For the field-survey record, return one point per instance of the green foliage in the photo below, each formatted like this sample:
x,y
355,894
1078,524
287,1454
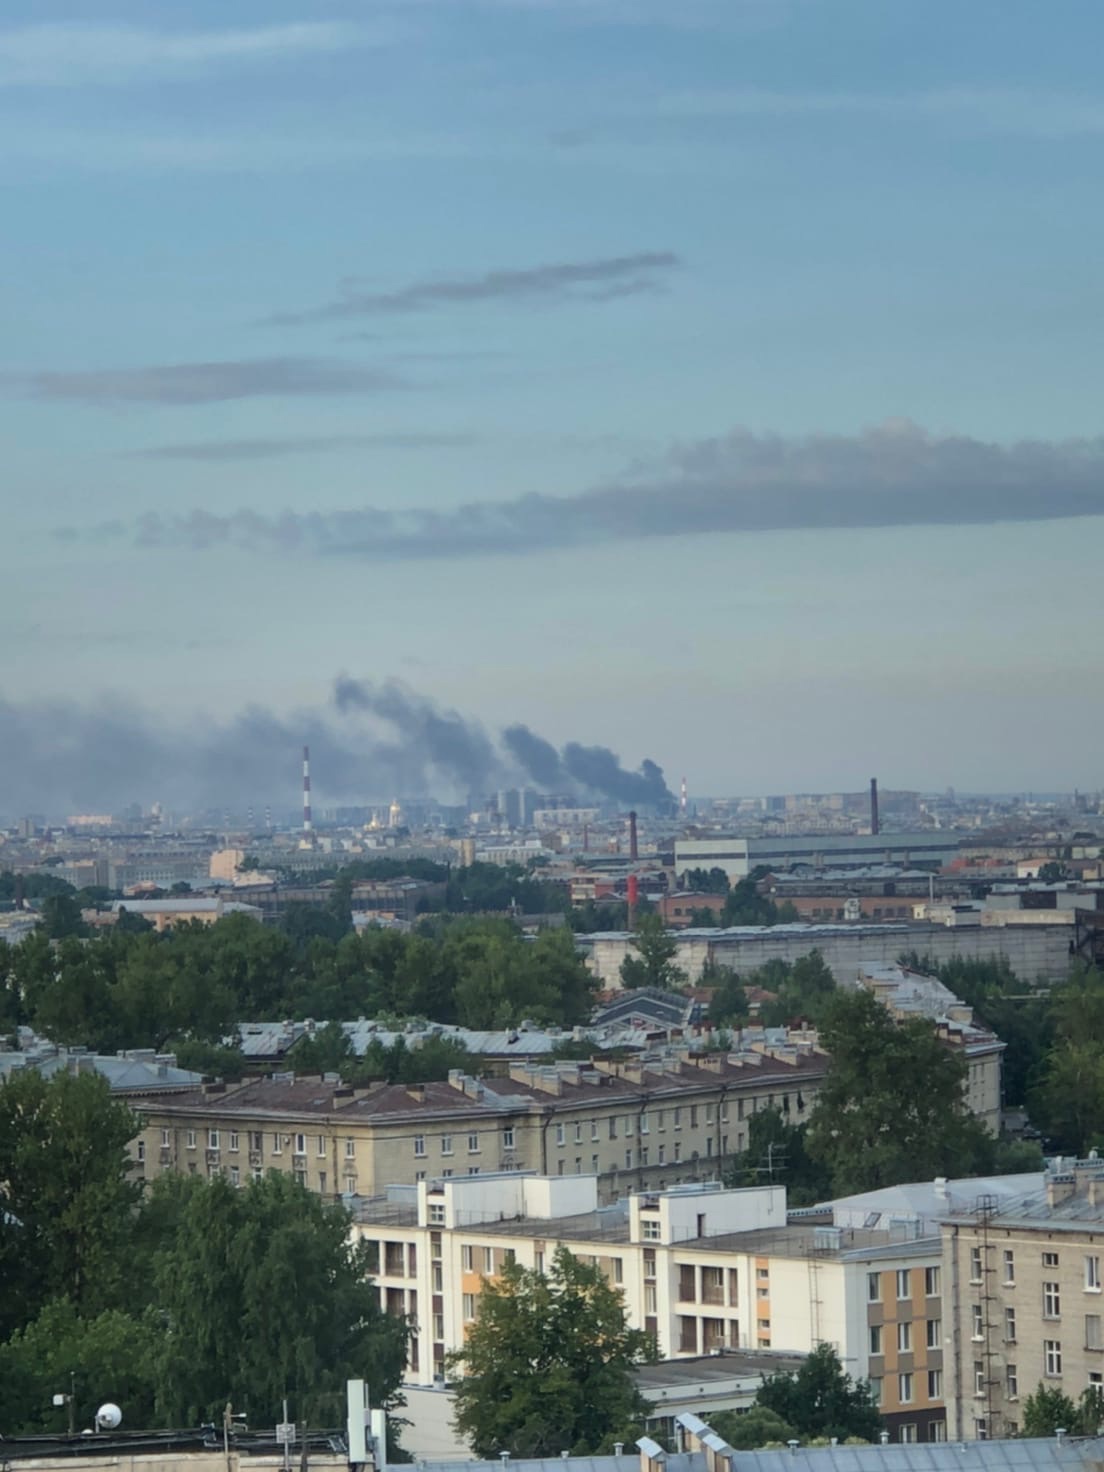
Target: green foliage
x,y
1048,1410
706,881
890,1109
211,1059
36,885
109,1356
778,1154
61,917
1053,872
401,1064
729,1001
611,915
821,1399
264,1296
804,989
497,888
746,906
547,1366
756,1427
654,963
328,1051
65,1200
1067,1096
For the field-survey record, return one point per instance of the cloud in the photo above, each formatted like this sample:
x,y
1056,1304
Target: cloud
x,y
206,383
72,55
893,475
1018,111
267,449
594,280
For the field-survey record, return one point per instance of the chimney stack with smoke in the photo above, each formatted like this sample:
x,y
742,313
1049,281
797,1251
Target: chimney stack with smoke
x,y
308,826
634,852
874,805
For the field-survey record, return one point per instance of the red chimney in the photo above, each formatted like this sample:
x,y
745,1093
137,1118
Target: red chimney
x,y
632,894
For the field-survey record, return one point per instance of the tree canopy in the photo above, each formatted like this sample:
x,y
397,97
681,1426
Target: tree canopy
x,y
547,1366
890,1108
654,962
821,1399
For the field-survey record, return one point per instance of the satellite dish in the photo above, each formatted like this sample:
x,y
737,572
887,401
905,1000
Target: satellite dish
x,y
109,1417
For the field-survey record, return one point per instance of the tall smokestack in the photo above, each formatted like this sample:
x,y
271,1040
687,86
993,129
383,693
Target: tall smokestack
x,y
308,826
682,799
634,853
874,805
632,896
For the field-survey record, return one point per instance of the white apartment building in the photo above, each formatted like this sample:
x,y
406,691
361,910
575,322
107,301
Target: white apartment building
x,y
702,1269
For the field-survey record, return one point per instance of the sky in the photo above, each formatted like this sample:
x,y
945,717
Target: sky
x,y
716,382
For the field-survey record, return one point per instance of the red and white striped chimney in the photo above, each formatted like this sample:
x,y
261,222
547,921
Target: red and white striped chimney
x,y
308,826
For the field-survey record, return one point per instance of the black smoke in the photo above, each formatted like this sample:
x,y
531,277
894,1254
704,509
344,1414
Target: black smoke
x,y
599,769
537,757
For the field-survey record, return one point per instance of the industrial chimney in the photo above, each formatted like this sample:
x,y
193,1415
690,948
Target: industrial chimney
x,y
633,851
682,799
874,805
308,826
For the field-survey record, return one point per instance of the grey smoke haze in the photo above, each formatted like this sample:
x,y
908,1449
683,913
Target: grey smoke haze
x,y
594,280
279,446
371,742
894,475
537,757
206,383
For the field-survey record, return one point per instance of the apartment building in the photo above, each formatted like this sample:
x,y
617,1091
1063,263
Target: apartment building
x,y
635,1125
1025,1303
701,1269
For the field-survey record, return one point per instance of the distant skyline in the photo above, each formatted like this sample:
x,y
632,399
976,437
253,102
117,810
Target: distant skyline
x,y
717,383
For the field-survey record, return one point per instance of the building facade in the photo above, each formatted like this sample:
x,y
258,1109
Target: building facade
x,y
1025,1299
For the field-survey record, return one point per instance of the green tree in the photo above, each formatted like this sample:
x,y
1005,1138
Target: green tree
x,y
328,1051
547,1366
803,989
211,1059
61,916
777,1154
706,881
756,1427
890,1109
729,1001
264,1295
107,1357
746,906
1067,1096
1053,872
654,964
1048,1410
821,1399
66,1202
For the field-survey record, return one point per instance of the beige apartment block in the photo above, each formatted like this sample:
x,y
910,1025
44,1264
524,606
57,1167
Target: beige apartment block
x,y
632,1125
701,1269
1024,1281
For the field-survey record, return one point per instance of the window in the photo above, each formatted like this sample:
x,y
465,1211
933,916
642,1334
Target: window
x,y
578,1132
628,1160
488,1259
467,1261
300,1177
904,1338
1010,1325
875,1391
904,1389
166,1139
873,1287
233,1140
875,1339
1050,1259
662,1155
904,1282
212,1139
141,1156
1092,1275
1052,1356
644,1126
320,1145
446,1144
538,1261
649,1231
935,1333
469,1307
979,1377
190,1139
438,1326
1011,1382
931,1282
618,1270
300,1144
350,1149
277,1144
649,1264
1009,1266
978,1321
975,1264
678,1150
419,1146
593,1129
437,1213
256,1140
473,1143
628,1126
643,1155
235,1176
473,1170
1093,1338
678,1119
508,1137
661,1122
693,1116
594,1164
613,1126
935,1384
1052,1301
561,1134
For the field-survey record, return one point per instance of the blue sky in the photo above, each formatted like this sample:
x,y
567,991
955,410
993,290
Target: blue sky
x,y
715,381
